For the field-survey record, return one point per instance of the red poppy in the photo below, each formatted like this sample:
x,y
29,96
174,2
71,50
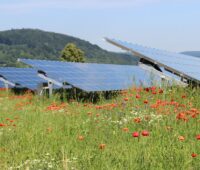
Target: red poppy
x,y
153,88
193,110
135,134
80,138
137,120
184,96
125,99
145,133
1,124
154,92
125,129
194,115
146,102
198,137
98,107
194,155
137,96
102,146
181,115
181,138
3,89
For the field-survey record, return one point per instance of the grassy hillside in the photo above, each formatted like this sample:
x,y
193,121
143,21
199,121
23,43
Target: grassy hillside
x,y
37,44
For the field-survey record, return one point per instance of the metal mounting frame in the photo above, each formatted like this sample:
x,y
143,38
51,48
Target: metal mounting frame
x,y
6,82
162,75
51,82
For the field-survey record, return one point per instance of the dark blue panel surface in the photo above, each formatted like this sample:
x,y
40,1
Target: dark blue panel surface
x,y
184,65
95,77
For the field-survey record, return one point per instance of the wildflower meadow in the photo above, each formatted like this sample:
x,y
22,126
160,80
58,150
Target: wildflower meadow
x,y
140,129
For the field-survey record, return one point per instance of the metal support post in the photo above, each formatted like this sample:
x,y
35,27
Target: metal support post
x,y
50,86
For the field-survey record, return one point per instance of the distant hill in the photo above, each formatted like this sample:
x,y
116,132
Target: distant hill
x,y
192,53
38,44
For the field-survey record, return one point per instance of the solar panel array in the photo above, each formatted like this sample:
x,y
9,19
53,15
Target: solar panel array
x,y
95,77
184,65
23,77
85,76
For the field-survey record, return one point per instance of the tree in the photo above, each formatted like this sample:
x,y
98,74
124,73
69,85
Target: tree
x,y
72,53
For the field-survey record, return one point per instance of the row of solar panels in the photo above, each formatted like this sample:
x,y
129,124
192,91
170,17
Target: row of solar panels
x,y
173,67
185,66
85,76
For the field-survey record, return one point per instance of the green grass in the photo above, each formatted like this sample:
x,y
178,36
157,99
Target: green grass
x,y
44,138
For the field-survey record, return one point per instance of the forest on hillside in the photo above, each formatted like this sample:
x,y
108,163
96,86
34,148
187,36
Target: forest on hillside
x,y
38,44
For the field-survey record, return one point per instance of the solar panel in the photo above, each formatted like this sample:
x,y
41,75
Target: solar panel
x,y
23,77
184,65
1,85
95,77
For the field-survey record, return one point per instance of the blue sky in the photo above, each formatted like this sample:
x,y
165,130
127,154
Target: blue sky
x,y
172,25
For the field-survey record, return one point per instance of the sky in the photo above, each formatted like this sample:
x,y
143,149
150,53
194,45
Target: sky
x,y
173,25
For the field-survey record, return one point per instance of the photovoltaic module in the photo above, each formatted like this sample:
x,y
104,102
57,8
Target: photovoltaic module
x,y
95,77
21,77
183,65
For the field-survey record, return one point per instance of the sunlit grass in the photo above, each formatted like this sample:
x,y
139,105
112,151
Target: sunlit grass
x,y
41,133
